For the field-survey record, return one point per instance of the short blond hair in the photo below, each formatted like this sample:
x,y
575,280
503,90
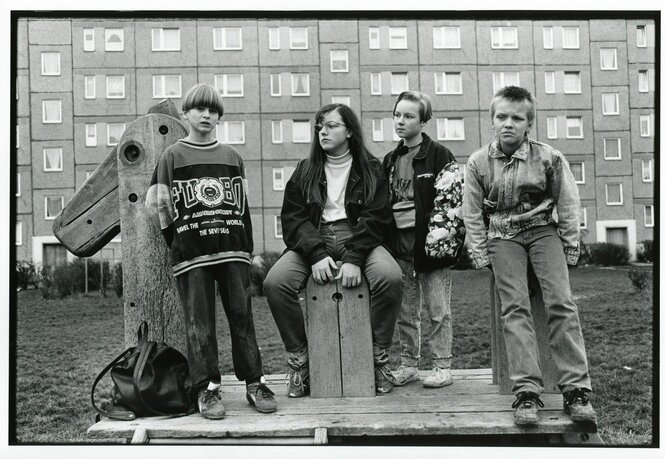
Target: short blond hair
x,y
203,95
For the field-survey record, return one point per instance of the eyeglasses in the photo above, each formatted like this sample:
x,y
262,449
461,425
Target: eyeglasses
x,y
329,126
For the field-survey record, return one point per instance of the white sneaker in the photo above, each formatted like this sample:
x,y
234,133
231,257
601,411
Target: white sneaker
x,y
404,375
440,377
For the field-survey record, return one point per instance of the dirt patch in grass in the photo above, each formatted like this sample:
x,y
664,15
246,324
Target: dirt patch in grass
x,y
63,344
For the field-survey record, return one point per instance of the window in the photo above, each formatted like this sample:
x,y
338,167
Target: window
x,y
165,86
645,125
298,37
552,127
89,87
18,136
339,60
51,111
278,227
231,132
612,149
280,175
300,84
52,206
610,102
276,129
273,38
583,218
227,38
450,129
374,42
571,37
114,39
577,168
550,82
548,37
641,36
614,194
397,37
19,233
375,84
52,159
166,39
377,130
446,37
91,135
647,170
399,82
574,128
572,83
648,216
114,132
504,37
275,85
230,85
608,59
115,87
301,132
344,100
448,83
50,63
643,80
18,184
501,79
88,39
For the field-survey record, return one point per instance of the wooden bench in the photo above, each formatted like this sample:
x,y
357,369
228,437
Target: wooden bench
x,y
339,336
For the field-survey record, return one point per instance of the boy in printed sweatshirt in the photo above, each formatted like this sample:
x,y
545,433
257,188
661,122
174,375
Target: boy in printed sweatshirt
x,y
199,193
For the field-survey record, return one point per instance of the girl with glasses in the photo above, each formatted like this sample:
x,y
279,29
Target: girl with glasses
x,y
335,209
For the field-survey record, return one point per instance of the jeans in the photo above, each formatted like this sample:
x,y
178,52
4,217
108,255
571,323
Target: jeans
x,y
197,294
290,273
431,290
542,247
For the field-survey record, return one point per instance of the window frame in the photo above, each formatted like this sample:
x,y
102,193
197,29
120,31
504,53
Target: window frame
x,y
617,158
107,33
643,77
550,82
647,118
61,160
393,38
375,89
646,224
583,180
607,196
62,206
295,123
44,120
58,70
307,92
583,221
86,79
123,86
641,36
18,238
223,132
392,81
108,133
442,34
221,34
377,134
500,39
445,121
163,77
615,59
374,43
604,108
649,170
223,87
273,39
278,225
291,46
88,45
548,37
161,36
273,139
578,75
345,60
443,89
18,185
278,185
570,118
347,101
278,78
501,76
87,136
563,37
555,121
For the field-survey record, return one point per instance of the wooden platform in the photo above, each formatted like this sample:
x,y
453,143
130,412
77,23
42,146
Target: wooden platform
x,y
471,406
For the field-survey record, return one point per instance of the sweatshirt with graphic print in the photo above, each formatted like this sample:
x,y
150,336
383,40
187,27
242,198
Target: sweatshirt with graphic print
x,y
198,196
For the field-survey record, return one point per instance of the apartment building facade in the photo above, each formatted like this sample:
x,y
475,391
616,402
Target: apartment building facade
x,y
81,81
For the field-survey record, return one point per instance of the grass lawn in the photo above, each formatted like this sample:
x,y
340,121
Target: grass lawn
x,y
61,345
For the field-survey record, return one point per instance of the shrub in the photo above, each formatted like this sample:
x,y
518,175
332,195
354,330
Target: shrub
x,y
117,279
641,278
69,279
608,254
26,275
261,264
645,251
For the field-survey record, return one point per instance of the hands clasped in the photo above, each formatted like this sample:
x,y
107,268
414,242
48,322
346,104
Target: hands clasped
x,y
350,274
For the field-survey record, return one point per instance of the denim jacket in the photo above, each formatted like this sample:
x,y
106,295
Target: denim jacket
x,y
505,196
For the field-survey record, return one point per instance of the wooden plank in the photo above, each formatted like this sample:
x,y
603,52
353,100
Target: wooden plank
x,y
140,436
320,436
323,340
150,293
355,336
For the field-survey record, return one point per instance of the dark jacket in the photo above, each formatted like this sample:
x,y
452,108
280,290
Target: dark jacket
x,y
427,164
369,220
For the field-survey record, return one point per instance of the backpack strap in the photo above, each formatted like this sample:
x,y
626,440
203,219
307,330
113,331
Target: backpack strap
x,y
120,415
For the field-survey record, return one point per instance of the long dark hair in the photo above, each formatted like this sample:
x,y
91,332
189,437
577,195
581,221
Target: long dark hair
x,y
313,168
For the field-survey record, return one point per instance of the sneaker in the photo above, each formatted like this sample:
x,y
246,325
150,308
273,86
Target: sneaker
x,y
576,404
404,375
440,377
382,379
261,398
298,377
526,408
210,404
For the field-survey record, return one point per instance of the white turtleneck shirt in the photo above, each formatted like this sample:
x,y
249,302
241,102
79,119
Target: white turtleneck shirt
x,y
337,169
